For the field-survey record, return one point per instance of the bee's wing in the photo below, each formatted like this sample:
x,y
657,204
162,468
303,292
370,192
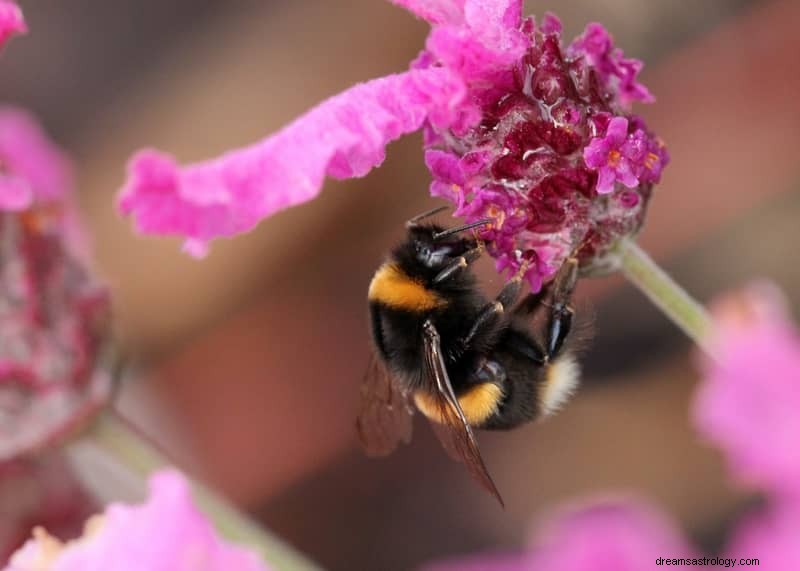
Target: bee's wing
x,y
384,417
454,431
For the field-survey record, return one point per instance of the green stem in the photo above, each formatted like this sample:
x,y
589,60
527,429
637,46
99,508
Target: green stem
x,y
114,461
666,293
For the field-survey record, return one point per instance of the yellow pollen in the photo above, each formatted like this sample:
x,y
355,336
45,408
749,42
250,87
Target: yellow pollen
x,y
650,160
497,215
614,157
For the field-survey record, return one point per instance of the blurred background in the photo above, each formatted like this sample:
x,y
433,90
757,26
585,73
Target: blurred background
x,y
247,364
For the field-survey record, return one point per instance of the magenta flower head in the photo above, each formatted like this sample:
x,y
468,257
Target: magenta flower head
x,y
11,21
535,137
608,535
749,399
166,533
53,315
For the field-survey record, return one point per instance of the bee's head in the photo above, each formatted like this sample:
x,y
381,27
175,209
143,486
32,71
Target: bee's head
x,y
435,246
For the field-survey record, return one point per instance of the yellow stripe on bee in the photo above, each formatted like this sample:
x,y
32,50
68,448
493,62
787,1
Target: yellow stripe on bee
x,y
478,403
391,286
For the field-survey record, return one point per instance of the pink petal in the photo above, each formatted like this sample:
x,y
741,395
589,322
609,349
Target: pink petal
x,y
343,137
617,131
605,180
749,399
444,166
625,175
488,43
551,25
435,11
496,23
31,166
15,193
595,154
167,533
11,21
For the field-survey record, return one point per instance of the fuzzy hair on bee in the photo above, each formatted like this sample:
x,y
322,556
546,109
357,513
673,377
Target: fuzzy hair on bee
x,y
463,361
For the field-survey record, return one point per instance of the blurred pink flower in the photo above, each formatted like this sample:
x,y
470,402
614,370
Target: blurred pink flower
x,y
749,401
506,115
11,21
32,168
166,533
607,535
53,314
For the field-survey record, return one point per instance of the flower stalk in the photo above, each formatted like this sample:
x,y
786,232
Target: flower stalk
x,y
111,444
666,294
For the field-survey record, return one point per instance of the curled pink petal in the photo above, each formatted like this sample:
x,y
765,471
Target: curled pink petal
x,y
167,533
749,399
343,137
11,21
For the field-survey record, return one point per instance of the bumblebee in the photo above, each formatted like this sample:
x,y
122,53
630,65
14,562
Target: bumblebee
x,y
464,362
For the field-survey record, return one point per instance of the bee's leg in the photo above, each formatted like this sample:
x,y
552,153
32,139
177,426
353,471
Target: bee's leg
x,y
532,302
459,263
493,315
559,322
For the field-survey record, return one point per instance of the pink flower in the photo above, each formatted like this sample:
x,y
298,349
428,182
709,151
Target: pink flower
x,y
32,168
749,400
506,113
166,533
53,323
11,21
630,158
616,73
606,536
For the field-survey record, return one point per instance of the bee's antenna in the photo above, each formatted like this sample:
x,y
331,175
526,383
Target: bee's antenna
x,y
413,222
457,229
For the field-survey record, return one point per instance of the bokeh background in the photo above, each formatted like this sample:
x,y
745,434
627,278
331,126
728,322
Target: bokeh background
x,y
247,364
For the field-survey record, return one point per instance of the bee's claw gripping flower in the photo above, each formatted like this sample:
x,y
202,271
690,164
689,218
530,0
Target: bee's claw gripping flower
x,y
535,137
53,316
167,533
11,21
749,400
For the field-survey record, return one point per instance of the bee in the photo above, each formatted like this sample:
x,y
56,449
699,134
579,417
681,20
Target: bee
x,y
463,361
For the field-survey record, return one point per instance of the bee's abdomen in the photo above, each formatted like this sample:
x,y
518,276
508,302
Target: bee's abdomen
x,y
393,288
